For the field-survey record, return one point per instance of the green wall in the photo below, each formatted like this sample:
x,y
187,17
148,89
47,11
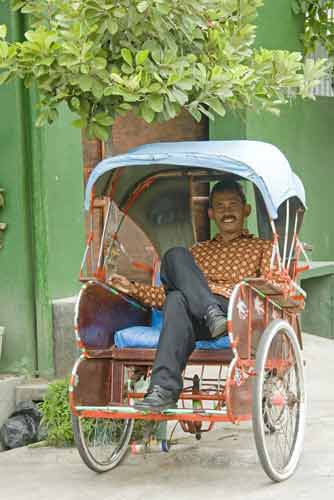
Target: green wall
x,y
304,133
41,171
278,27
17,311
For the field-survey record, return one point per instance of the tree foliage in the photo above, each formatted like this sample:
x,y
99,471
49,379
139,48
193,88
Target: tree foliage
x,y
319,24
107,57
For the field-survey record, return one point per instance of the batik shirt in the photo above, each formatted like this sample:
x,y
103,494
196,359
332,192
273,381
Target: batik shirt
x,y
224,264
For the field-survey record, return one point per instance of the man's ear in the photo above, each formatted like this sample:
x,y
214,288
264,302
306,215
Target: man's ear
x,y
247,210
210,214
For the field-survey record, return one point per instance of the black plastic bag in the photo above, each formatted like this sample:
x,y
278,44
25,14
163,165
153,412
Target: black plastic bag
x,y
22,426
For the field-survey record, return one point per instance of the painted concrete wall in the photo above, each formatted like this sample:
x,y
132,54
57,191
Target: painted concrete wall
x,y
304,133
17,311
41,171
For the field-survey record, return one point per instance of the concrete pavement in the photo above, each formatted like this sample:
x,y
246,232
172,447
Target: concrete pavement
x,y
223,464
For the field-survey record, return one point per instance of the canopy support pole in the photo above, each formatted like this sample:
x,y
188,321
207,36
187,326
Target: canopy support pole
x,y
286,235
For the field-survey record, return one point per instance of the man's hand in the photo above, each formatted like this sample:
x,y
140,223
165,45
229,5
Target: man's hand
x,y
121,283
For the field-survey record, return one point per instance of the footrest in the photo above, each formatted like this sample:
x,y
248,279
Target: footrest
x,y
130,409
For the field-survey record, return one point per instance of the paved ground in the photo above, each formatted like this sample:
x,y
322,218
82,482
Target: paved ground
x,y
224,464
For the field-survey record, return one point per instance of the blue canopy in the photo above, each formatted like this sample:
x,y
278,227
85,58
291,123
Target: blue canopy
x,y
261,163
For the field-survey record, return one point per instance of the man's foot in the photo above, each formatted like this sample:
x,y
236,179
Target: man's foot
x,y
215,320
156,400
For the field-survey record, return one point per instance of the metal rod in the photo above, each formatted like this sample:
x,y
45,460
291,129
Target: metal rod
x,y
91,240
293,242
276,246
84,257
103,235
114,238
286,236
301,246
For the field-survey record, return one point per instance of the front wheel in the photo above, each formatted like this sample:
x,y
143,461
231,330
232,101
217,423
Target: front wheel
x,y
279,401
101,442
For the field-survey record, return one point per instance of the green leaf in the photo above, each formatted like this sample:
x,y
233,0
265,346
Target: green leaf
x,y
42,119
195,113
128,70
186,84
3,50
85,82
117,78
155,87
216,105
127,56
104,119
296,7
100,63
17,5
164,8
173,78
112,26
156,103
170,109
206,112
119,12
141,57
142,6
125,106
75,103
3,31
80,123
100,132
97,89
181,97
147,113
4,77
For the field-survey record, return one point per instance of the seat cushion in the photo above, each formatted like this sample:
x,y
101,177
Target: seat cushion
x,y
147,337
156,319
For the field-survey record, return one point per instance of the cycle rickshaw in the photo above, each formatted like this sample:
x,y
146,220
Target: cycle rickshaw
x,y
258,367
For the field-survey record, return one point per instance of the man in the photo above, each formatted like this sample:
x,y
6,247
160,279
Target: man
x,y
196,287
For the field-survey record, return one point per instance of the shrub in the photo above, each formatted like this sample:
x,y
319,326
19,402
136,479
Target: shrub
x,y
104,58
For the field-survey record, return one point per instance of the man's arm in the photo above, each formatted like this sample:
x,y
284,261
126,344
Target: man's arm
x,y
149,295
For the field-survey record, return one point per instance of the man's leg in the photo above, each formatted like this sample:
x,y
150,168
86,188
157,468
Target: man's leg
x,y
176,343
188,299
180,272
202,331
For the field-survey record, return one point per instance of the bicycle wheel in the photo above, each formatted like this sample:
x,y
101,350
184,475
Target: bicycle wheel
x,y
102,443
279,401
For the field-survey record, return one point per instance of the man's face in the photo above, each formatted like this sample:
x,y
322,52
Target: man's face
x,y
229,212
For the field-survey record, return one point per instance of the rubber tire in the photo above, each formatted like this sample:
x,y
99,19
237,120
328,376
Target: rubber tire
x,y
258,421
89,459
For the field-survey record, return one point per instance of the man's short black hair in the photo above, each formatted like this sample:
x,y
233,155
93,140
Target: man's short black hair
x,y
228,185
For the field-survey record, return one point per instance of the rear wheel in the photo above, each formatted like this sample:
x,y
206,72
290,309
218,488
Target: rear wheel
x,y
102,443
279,401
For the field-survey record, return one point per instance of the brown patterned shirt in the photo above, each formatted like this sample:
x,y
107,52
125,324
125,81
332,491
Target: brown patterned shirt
x,y
223,264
